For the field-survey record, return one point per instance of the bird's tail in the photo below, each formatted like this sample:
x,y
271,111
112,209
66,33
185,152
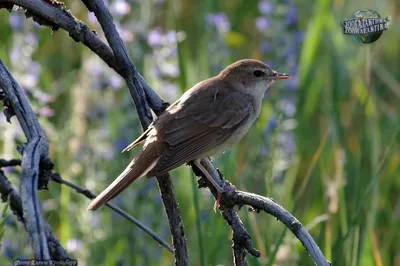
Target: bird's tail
x,y
143,162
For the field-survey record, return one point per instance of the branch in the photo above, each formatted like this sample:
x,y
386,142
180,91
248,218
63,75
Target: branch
x,y
240,237
84,191
82,33
9,163
8,193
87,193
35,153
236,197
133,80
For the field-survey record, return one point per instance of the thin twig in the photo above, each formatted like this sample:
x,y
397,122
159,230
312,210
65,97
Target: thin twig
x,y
9,163
57,178
34,153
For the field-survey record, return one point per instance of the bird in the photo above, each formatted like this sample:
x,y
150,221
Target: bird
x,y
206,120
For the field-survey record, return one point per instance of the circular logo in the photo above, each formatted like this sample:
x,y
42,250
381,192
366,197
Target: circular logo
x,y
369,37
366,26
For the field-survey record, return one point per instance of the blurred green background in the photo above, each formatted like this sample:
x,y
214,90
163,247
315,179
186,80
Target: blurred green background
x,y
326,145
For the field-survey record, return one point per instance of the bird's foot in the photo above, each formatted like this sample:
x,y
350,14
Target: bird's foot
x,y
220,192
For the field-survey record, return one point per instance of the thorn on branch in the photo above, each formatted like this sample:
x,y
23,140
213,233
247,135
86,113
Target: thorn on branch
x,y
57,4
41,21
45,167
252,209
9,113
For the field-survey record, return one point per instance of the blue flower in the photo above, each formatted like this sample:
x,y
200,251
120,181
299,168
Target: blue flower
x,y
266,7
220,21
291,16
7,250
16,21
272,124
262,23
298,36
288,107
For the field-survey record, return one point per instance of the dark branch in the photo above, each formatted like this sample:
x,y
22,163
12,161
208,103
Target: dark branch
x,y
34,153
133,80
7,192
236,197
82,33
8,163
241,238
58,179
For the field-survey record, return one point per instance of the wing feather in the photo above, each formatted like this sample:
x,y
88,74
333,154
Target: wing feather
x,y
194,130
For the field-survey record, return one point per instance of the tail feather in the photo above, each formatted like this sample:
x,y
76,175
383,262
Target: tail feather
x,y
143,162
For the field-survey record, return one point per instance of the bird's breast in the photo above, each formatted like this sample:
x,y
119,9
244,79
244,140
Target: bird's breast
x,y
238,134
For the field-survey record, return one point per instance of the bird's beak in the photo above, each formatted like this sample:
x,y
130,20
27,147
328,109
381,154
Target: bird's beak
x,y
277,75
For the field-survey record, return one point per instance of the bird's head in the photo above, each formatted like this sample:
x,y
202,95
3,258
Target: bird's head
x,y
251,76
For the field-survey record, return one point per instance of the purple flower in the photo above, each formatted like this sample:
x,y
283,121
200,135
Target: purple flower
x,y
16,21
92,18
41,96
155,37
125,34
291,16
116,82
288,107
266,7
262,23
120,7
31,39
74,244
33,73
46,111
220,21
170,37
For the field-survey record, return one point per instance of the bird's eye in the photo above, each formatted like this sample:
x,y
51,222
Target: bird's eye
x,y
258,73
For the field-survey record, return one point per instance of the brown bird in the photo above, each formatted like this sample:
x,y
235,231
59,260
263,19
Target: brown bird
x,y
208,119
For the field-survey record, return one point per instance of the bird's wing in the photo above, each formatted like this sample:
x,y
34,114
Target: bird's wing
x,y
191,130
145,134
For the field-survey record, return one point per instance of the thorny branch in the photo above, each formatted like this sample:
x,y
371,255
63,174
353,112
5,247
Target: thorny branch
x,y
144,96
34,160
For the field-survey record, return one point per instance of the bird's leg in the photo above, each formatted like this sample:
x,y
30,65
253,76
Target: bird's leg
x,y
208,176
220,190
